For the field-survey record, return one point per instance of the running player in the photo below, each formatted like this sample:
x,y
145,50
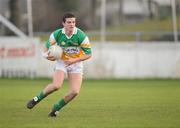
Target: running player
x,y
76,48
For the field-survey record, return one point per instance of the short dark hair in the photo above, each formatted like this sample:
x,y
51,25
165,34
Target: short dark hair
x,y
67,15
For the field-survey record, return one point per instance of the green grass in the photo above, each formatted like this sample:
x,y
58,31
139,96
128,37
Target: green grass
x,y
101,104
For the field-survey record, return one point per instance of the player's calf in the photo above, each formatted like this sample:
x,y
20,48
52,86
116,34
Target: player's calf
x,y
56,108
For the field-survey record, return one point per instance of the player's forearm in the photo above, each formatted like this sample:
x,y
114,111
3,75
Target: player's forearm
x,y
75,60
84,57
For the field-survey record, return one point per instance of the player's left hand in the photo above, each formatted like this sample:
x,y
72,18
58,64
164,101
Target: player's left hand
x,y
71,61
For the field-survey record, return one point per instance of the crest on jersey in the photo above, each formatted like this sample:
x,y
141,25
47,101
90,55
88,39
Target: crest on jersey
x,y
63,43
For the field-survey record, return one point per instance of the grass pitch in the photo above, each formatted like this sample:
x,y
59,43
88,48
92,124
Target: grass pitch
x,y
101,104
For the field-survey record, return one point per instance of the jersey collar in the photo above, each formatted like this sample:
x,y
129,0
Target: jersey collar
x,y
74,32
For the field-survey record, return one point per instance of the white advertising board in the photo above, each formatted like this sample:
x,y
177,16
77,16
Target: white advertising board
x,y
18,57
22,58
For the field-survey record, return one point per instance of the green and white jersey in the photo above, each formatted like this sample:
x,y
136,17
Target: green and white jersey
x,y
75,46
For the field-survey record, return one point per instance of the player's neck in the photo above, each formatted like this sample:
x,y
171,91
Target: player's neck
x,y
69,33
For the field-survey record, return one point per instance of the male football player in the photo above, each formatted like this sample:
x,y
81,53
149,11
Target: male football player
x,y
76,49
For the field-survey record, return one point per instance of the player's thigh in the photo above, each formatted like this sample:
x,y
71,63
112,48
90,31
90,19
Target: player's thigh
x,y
75,80
58,78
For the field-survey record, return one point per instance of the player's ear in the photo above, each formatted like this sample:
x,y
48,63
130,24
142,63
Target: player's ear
x,y
63,23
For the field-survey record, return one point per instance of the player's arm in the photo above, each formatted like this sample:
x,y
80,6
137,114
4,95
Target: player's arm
x,y
49,43
75,60
86,47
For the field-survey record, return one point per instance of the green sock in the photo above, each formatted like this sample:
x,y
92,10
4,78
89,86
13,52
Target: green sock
x,y
59,105
41,96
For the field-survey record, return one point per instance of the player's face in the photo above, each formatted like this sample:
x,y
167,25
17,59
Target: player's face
x,y
69,24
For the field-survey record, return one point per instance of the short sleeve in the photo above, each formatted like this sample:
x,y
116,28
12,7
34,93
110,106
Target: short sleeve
x,y
52,39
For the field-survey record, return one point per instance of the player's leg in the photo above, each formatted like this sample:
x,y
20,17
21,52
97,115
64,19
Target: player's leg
x,y
58,78
75,80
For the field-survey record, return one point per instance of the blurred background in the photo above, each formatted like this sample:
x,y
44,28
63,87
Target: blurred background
x,y
132,79
130,38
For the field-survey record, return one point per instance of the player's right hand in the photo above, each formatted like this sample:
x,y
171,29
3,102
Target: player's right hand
x,y
51,58
47,56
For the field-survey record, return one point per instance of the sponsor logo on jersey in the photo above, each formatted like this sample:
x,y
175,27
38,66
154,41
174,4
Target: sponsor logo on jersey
x,y
75,43
72,50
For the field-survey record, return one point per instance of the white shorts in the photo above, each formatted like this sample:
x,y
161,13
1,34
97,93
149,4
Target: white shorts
x,y
74,68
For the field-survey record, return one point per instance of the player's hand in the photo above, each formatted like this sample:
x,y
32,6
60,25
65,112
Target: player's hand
x,y
51,58
70,61
47,56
